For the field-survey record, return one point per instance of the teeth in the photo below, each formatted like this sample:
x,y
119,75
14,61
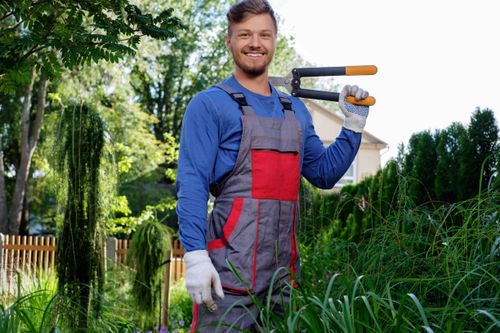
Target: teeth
x,y
254,54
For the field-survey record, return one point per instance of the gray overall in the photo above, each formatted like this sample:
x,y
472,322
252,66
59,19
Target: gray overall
x,y
254,220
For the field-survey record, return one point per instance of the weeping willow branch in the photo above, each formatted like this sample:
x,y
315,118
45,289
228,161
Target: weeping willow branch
x,y
81,140
148,253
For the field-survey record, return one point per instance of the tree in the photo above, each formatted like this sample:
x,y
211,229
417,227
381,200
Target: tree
x,y
496,180
40,40
449,149
477,158
3,197
420,166
388,187
79,159
165,76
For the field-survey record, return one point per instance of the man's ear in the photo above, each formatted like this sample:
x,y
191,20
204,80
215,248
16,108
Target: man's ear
x,y
228,41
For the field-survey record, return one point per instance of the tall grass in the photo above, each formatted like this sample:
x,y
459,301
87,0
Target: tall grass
x,y
445,258
30,307
33,305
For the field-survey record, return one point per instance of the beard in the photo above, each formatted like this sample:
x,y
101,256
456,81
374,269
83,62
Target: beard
x,y
252,69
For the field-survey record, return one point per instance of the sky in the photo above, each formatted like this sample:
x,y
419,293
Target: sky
x,y
437,60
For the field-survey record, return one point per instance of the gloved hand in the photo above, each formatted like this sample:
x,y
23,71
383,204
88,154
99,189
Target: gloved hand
x,y
200,277
355,115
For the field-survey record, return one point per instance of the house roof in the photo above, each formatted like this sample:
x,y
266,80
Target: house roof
x,y
368,139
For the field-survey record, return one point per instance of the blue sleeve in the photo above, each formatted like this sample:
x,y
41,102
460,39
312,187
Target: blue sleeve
x,y
323,167
198,150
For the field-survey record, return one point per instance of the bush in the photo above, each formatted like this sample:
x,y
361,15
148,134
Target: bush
x,y
180,312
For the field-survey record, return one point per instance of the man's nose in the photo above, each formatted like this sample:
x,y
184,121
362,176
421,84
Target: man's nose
x,y
255,41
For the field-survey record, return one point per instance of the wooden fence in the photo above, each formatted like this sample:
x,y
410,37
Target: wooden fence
x,y
31,255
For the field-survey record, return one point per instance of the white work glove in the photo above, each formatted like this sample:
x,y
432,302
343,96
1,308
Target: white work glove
x,y
200,277
355,115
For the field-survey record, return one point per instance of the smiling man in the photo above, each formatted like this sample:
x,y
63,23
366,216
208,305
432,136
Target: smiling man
x,y
248,144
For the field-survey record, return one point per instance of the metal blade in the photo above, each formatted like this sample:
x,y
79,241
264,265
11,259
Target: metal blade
x,y
281,81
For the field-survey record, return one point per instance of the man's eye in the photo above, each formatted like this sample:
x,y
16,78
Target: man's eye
x,y
266,35
243,35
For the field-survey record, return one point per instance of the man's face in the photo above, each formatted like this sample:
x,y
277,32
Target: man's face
x,y
252,43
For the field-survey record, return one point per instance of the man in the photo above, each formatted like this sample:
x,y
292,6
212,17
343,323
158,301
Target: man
x,y
249,144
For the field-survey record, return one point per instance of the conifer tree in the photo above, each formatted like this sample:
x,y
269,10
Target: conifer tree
x,y
420,166
477,158
449,148
388,187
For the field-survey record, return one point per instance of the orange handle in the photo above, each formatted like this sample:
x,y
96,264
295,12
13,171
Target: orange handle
x,y
361,70
369,101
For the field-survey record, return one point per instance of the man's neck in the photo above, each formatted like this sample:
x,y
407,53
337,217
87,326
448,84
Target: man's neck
x,y
257,84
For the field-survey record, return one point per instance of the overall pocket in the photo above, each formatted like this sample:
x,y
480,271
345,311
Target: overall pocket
x,y
275,174
237,246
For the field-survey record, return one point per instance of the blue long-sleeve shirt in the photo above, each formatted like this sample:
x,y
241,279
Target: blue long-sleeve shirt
x,y
210,139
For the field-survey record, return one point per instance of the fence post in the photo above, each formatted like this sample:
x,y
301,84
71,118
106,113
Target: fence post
x,y
166,291
111,249
1,258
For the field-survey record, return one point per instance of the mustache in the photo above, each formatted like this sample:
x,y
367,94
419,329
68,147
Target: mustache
x,y
254,49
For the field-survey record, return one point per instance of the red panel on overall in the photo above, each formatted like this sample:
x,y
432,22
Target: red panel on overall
x,y
275,175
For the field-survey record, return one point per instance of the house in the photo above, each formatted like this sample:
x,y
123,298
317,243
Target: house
x,y
328,125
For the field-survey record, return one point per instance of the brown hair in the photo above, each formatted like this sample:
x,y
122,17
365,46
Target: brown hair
x,y
239,11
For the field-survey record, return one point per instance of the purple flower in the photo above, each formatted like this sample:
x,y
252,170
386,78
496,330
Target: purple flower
x,y
181,322
163,329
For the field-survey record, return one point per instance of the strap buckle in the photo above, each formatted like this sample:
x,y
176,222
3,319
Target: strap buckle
x,y
240,98
287,103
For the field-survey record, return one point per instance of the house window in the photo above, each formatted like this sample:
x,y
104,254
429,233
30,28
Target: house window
x,y
349,176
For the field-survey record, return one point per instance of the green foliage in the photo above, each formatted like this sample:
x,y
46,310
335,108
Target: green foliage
x,y
131,155
420,166
131,146
436,169
172,155
55,35
317,211
148,253
481,144
167,75
418,270
32,307
180,313
35,306
451,143
123,225
388,187
79,155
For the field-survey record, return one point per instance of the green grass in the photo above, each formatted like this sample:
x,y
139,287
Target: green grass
x,y
30,307
443,275
34,306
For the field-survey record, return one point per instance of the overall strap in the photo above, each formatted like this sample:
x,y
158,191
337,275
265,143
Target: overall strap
x,y
287,104
239,97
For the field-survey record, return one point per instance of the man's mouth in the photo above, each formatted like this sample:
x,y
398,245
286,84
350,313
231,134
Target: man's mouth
x,y
254,54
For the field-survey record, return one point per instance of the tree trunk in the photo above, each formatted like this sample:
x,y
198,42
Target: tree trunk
x,y
3,195
29,140
25,214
